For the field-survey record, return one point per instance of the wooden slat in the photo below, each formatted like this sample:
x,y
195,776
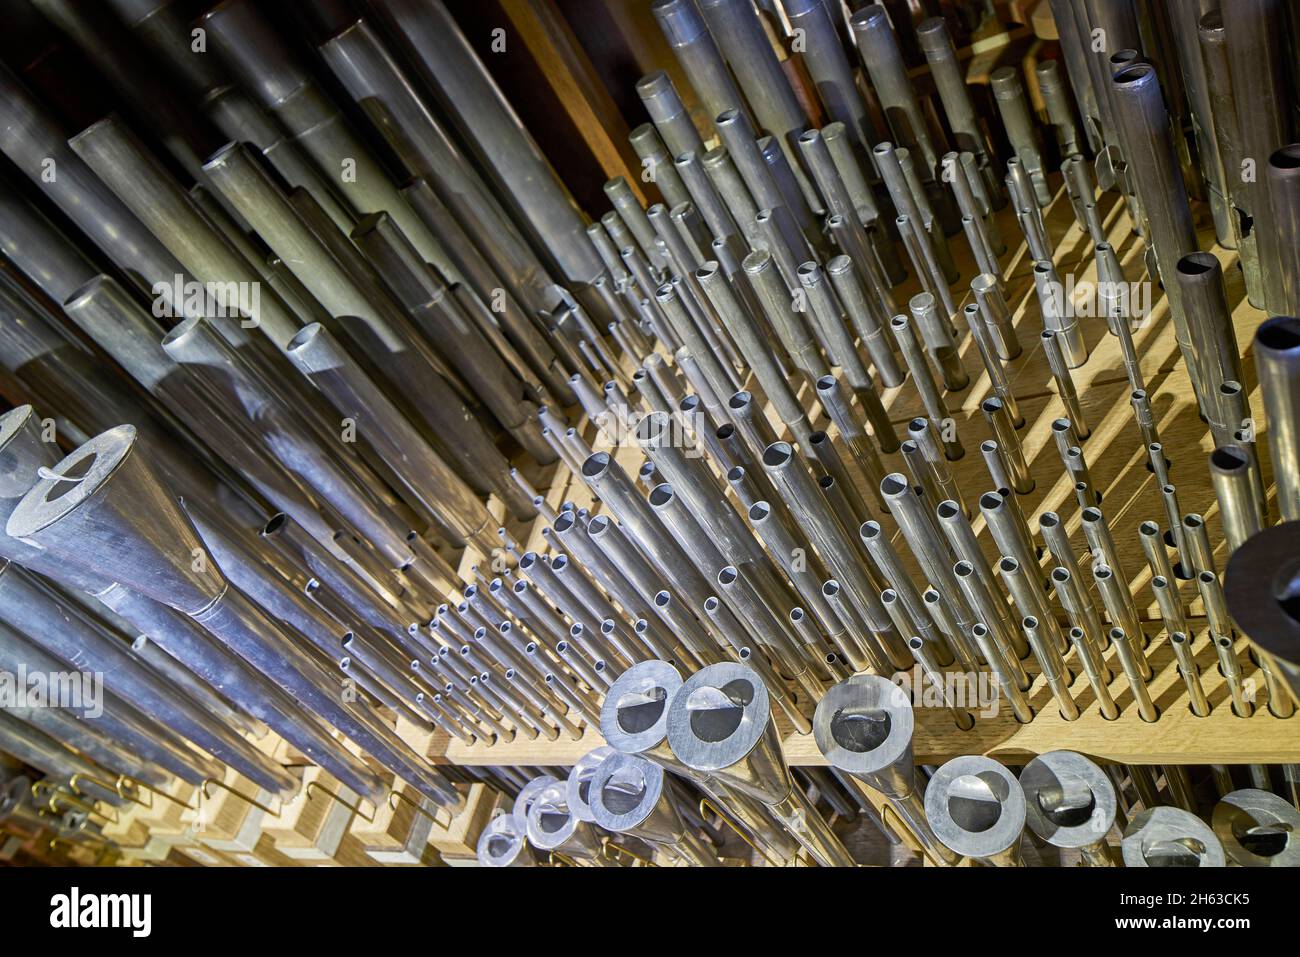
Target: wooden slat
x,y
578,88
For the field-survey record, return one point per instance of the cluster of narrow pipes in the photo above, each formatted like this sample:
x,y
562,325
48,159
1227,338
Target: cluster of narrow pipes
x,y
274,519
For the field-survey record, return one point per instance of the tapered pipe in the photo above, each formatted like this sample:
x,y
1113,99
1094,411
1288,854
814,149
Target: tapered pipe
x,y
975,778
38,614
749,757
161,562
431,482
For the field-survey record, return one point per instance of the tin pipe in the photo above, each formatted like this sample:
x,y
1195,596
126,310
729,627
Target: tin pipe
x,y
433,484
204,595
456,76
939,341
910,346
196,344
739,32
1239,508
1009,93
36,613
1007,526
1004,432
32,139
795,222
1055,93
878,48
868,320
950,83
1057,540
1283,180
827,534
1138,671
1145,128
697,52
996,315
1277,358
1258,59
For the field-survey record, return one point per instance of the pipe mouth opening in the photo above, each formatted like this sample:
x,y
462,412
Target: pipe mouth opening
x,y
740,400
639,711
963,569
623,791
778,453
948,509
1174,852
596,465
661,495
728,575
1281,334
991,501
894,484
1262,839
1068,804
861,730
1286,589
1060,574
1197,264
759,510
1133,72
975,801
716,712
1288,157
